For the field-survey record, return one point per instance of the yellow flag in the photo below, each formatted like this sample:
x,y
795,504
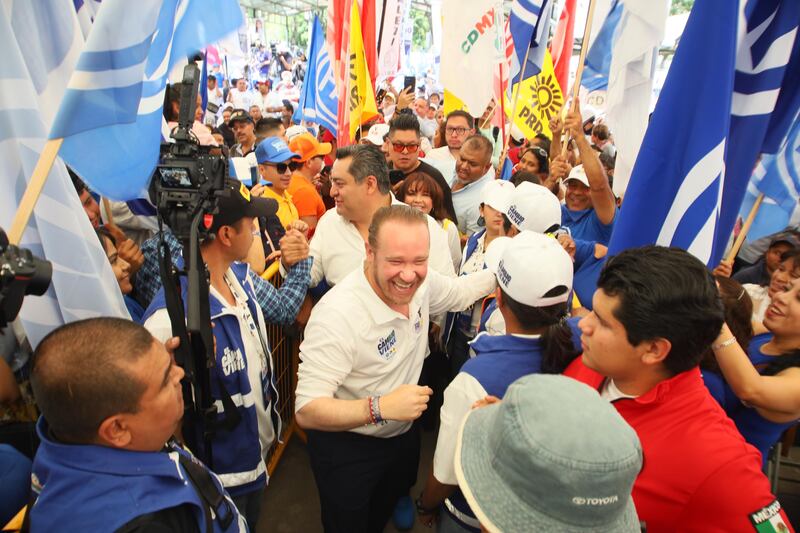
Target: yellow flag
x,y
540,99
360,94
452,103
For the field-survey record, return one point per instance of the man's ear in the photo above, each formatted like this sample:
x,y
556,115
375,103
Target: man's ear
x,y
114,431
370,252
224,235
655,351
372,184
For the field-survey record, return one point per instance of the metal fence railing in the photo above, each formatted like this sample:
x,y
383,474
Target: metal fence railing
x,y
284,343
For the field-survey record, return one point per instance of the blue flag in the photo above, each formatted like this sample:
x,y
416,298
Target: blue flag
x,y
507,170
110,117
41,41
529,25
204,84
598,59
319,101
690,177
778,178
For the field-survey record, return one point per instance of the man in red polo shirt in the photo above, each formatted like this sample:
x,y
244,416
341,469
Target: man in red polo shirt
x,y
656,310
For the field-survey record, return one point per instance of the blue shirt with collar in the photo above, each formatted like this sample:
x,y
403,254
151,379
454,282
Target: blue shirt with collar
x,y
585,225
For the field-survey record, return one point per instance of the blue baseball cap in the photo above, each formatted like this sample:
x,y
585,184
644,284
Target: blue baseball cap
x,y
274,150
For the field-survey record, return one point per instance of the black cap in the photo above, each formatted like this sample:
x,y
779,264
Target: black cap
x,y
239,114
237,203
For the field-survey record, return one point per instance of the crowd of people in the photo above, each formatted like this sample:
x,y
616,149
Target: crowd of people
x,y
571,390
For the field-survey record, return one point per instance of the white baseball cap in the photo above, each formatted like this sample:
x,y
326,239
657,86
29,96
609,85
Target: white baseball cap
x,y
377,133
535,208
530,265
497,194
578,173
294,131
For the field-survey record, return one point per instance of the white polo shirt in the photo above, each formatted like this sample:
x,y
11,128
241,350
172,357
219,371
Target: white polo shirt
x,y
338,248
356,346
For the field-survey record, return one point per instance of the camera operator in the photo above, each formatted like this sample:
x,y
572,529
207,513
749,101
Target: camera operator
x,y
243,359
111,400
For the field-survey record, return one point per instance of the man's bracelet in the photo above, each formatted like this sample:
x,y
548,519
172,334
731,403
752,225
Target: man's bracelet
x,y
723,344
374,403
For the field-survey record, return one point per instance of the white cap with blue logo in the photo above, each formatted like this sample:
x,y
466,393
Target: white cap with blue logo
x,y
529,266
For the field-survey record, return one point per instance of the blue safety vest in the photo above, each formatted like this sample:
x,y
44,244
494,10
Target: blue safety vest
x,y
98,488
236,453
499,361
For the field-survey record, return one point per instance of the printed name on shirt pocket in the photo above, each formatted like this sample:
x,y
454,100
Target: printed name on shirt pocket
x,y
387,346
770,519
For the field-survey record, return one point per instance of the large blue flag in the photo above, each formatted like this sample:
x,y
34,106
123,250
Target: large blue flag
x,y
778,178
598,59
319,101
718,110
41,42
111,114
529,25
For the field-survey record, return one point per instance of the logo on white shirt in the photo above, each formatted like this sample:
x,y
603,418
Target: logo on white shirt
x,y
232,361
386,346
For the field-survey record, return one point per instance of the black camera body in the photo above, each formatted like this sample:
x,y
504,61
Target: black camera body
x,y
21,273
187,179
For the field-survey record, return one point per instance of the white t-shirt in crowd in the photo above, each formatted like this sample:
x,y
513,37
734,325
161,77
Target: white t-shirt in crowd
x,y
356,346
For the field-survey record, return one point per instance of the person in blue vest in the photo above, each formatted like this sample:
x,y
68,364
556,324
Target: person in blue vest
x,y
111,400
244,365
462,327
532,296
589,208
765,378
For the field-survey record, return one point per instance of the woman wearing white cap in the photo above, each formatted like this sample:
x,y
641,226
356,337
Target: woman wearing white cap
x,y
533,298
462,327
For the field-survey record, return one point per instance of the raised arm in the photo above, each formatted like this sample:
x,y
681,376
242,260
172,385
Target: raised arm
x,y
777,398
602,197
457,294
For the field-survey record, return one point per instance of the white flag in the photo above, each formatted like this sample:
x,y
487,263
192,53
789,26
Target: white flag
x,y
471,42
630,80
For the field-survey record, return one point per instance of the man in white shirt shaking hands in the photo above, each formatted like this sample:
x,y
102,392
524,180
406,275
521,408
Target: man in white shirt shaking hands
x,y
361,358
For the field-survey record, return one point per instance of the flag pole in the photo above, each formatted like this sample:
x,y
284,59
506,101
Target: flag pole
x,y
503,109
34,189
576,86
516,93
745,228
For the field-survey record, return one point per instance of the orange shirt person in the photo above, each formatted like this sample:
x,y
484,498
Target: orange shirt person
x,y
310,206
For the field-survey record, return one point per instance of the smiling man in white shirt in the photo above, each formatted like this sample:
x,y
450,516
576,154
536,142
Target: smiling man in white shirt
x,y
357,392
360,186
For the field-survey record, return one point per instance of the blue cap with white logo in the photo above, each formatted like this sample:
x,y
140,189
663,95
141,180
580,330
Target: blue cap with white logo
x,y
274,150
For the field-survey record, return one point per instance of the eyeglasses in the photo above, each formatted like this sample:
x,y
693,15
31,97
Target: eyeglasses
x,y
280,167
457,131
400,147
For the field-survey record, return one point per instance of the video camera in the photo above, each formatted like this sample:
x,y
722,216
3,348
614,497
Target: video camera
x,y
185,188
21,273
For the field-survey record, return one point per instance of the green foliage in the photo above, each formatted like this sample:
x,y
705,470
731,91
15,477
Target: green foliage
x,y
678,7
421,39
297,28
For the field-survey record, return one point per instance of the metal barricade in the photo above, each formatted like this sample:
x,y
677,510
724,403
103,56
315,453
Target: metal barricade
x,y
284,343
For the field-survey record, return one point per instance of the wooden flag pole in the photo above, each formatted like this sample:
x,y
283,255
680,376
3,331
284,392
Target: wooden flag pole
x,y
576,86
109,216
503,113
745,228
34,189
516,94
